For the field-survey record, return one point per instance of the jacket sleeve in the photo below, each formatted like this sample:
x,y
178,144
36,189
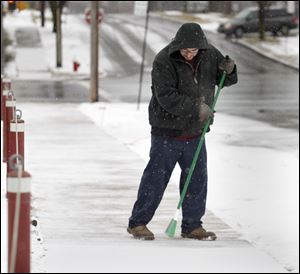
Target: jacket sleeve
x,y
164,86
231,78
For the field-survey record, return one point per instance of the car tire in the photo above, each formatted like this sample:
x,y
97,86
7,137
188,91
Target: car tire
x,y
239,32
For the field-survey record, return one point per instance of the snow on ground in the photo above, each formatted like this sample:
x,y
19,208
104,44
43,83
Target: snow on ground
x,y
155,40
211,21
284,49
254,189
249,187
77,36
154,259
230,188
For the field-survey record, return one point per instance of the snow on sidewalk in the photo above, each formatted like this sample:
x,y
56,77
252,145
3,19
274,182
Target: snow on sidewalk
x,y
84,185
248,161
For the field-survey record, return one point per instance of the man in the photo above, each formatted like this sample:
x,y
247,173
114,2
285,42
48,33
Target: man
x,y
184,77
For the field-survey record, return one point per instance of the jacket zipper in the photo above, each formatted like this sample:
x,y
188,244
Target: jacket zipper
x,y
194,72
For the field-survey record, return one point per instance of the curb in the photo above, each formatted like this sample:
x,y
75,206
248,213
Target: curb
x,y
246,45
72,75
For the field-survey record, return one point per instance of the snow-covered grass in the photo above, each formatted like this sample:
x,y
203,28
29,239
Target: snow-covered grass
x,y
283,49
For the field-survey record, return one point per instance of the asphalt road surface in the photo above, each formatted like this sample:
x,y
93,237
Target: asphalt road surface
x,y
266,91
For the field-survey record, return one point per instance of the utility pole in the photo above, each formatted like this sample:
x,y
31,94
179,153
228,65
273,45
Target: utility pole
x,y
58,37
143,55
94,52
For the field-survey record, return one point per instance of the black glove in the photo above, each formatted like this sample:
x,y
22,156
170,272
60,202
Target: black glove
x,y
227,64
205,113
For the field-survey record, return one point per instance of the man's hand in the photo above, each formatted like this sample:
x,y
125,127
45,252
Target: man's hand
x,y
205,112
227,65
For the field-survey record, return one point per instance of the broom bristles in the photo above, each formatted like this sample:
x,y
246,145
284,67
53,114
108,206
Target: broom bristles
x,y
171,229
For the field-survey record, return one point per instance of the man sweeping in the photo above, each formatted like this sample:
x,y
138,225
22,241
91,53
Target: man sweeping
x,y
184,77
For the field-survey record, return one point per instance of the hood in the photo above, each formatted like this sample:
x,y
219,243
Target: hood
x,y
189,35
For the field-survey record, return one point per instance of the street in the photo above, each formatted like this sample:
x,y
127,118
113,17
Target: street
x,y
261,94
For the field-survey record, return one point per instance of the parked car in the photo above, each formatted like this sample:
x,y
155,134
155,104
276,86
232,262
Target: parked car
x,y
247,21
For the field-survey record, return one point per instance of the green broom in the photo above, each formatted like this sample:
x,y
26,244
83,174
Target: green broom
x,y
170,231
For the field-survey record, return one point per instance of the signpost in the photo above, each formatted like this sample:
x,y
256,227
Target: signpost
x,y
142,8
94,16
88,16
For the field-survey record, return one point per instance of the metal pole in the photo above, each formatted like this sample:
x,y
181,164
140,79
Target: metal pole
x,y
42,7
143,57
58,37
94,52
19,199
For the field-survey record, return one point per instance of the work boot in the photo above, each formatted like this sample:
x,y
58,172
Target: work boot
x,y
141,232
200,234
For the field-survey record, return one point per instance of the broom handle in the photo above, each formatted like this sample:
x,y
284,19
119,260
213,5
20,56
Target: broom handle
x,y
196,155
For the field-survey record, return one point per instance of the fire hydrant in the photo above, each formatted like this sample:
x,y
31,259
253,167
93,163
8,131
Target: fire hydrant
x,y
76,65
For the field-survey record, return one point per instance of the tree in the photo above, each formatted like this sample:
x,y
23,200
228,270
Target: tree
x,y
42,9
12,5
54,5
262,6
227,7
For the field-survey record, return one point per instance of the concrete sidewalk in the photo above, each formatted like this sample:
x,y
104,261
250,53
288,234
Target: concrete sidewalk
x,y
84,185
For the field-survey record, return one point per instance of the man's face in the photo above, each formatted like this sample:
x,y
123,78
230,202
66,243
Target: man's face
x,y
189,53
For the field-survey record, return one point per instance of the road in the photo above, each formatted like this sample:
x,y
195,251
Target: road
x,y
267,91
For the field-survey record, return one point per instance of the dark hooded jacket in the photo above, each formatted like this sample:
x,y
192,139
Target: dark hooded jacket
x,y
177,90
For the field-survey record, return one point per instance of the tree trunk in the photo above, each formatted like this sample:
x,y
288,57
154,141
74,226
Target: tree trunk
x,y
94,52
261,17
227,7
53,6
42,7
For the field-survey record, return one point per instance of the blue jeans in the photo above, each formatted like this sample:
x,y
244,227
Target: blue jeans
x,y
165,152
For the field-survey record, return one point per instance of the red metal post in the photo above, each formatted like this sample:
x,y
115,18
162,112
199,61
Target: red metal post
x,y
16,140
18,195
10,111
